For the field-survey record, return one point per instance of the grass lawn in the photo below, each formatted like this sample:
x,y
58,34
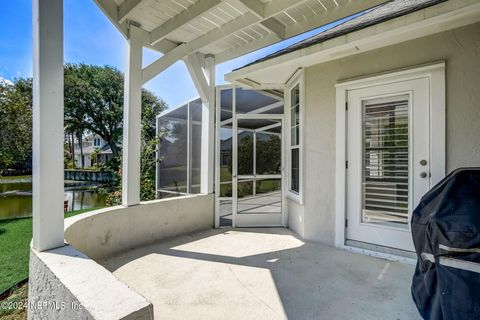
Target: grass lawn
x,y
15,177
245,189
15,237
17,302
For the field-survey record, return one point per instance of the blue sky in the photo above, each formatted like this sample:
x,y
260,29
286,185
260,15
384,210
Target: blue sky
x,y
91,38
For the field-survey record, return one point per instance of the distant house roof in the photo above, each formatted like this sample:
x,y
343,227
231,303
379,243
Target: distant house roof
x,y
383,12
87,150
106,149
91,149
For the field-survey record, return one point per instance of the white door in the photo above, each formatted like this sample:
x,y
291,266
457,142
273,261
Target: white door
x,y
388,168
258,171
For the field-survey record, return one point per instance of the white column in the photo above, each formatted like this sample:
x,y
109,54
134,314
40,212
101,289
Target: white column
x,y
132,111
47,186
208,128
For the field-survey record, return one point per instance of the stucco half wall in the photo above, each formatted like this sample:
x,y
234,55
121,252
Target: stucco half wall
x,y
459,48
67,283
103,233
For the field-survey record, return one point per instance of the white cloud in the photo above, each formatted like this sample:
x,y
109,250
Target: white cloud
x,y
3,80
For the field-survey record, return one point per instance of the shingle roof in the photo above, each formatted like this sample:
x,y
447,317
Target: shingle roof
x,y
375,15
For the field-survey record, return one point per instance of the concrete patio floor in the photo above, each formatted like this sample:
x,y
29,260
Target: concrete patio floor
x,y
263,274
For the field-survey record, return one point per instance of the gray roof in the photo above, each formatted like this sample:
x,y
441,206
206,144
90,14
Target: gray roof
x,y
91,149
383,12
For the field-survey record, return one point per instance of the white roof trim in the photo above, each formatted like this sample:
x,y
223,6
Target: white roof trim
x,y
441,17
388,77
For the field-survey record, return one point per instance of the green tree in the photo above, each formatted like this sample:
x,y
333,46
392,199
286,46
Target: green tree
x,y
151,107
245,153
94,101
269,153
15,124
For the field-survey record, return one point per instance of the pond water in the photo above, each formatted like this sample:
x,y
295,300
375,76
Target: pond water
x,y
16,197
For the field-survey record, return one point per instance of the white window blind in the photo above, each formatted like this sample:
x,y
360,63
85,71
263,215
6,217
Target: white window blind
x,y
386,161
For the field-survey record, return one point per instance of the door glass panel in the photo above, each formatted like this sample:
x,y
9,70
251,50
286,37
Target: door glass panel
x,y
259,164
245,152
245,188
226,213
268,152
386,161
267,198
265,185
225,161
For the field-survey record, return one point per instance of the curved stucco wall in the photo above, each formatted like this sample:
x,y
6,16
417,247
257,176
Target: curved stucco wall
x,y
459,48
67,283
103,233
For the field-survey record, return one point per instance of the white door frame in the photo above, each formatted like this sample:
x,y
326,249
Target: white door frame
x,y
436,75
262,220
233,121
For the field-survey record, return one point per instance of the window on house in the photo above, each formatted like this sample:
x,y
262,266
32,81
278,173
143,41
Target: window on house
x,y
96,142
295,139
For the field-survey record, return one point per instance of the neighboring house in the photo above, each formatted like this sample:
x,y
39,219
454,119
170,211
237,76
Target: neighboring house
x,y
371,113
95,151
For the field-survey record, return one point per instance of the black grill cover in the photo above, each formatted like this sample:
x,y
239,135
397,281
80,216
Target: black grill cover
x,y
446,226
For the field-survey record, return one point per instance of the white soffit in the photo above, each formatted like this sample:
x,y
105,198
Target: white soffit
x,y
441,17
224,28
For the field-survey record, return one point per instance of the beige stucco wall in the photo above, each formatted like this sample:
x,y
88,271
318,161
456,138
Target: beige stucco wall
x,y
82,288
460,48
66,284
296,217
106,232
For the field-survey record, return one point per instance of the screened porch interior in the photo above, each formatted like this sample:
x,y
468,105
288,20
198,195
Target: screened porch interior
x,y
249,179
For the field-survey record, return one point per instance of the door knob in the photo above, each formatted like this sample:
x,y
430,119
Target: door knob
x,y
423,162
423,175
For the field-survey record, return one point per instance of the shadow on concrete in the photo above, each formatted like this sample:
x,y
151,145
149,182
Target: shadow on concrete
x,y
312,281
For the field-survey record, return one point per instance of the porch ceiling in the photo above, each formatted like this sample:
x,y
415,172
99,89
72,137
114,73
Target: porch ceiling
x,y
224,28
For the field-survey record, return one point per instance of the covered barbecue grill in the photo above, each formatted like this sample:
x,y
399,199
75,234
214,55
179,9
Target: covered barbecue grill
x,y
446,234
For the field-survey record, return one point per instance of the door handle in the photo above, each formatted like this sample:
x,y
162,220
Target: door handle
x,y
423,175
